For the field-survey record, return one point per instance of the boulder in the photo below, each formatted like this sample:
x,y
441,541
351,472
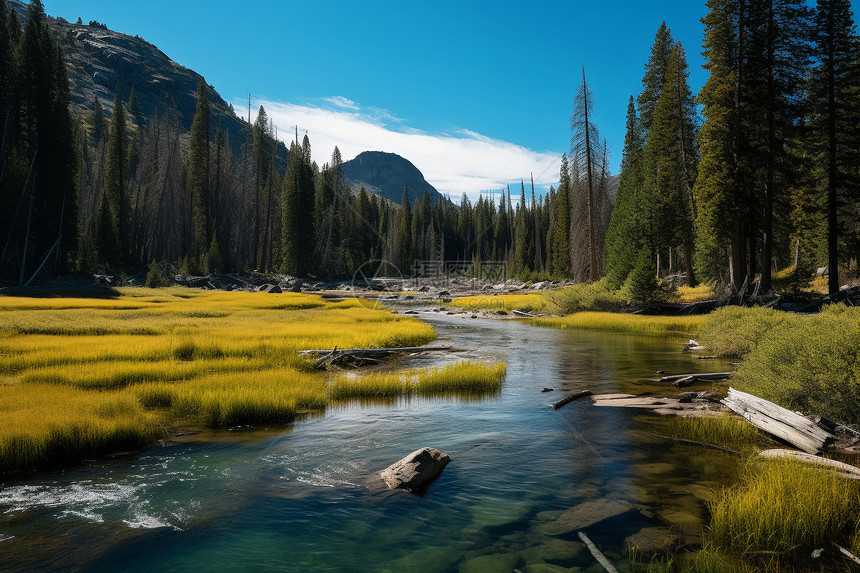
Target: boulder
x,y
417,470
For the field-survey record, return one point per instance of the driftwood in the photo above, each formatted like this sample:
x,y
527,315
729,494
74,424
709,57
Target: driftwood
x,y
357,357
710,376
570,398
845,469
684,406
598,556
524,314
847,554
776,420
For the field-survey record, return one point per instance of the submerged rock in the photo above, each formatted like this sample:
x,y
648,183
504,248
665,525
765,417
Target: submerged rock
x,y
417,470
586,514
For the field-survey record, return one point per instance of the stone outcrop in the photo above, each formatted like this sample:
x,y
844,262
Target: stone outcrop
x,y
416,471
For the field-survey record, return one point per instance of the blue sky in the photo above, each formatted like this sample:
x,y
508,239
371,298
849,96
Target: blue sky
x,y
476,94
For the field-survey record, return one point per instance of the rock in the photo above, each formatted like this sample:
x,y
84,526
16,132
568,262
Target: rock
x,y
684,382
444,293
552,550
490,563
651,539
274,289
417,470
586,514
547,390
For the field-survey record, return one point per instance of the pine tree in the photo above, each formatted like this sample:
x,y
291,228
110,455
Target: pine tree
x,y
718,209
560,228
626,234
671,157
403,230
115,190
290,213
134,106
835,117
198,178
652,81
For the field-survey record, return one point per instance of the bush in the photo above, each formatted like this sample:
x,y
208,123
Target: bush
x,y
641,283
809,363
157,278
584,296
733,330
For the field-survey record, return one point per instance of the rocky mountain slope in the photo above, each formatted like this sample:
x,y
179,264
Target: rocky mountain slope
x,y
385,174
98,59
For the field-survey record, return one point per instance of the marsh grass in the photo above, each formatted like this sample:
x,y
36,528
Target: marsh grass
x,y
662,326
787,507
46,425
464,377
727,431
583,297
699,293
505,302
85,377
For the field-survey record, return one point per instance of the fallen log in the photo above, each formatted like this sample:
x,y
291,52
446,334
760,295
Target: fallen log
x,y
847,554
598,556
845,469
703,376
380,352
524,314
776,420
570,398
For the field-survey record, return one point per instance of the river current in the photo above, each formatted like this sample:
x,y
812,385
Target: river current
x,y
307,498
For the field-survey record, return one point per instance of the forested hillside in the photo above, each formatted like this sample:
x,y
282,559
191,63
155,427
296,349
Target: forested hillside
x,y
757,173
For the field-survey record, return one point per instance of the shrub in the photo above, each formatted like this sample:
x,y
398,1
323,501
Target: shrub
x,y
157,278
641,283
584,296
733,331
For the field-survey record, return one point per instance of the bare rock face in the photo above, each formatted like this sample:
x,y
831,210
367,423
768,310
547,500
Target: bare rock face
x,y
417,470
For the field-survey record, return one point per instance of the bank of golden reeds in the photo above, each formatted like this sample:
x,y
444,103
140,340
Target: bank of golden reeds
x,y
82,377
663,326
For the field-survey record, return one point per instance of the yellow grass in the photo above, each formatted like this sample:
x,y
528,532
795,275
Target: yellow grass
x,y
665,326
698,293
92,373
506,302
462,377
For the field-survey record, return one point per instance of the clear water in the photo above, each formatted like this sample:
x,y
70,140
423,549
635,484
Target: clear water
x,y
306,498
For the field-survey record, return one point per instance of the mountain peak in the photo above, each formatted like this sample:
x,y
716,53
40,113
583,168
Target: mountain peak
x,y
386,174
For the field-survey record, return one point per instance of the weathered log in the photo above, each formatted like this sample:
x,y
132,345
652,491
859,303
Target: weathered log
x,y
684,382
776,420
598,556
524,314
703,376
570,398
380,352
701,408
847,554
846,469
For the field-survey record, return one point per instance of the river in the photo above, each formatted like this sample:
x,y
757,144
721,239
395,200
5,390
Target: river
x,y
306,498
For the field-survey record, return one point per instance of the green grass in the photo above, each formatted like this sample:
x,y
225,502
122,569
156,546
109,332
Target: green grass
x,y
806,363
662,326
728,431
786,507
733,331
462,378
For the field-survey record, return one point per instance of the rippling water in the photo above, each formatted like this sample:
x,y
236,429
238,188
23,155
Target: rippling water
x,y
306,498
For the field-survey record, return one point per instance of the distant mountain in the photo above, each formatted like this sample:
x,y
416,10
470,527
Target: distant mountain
x,y
97,59
385,174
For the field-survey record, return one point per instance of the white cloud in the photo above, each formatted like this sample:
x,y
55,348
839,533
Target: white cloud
x,y
455,163
341,101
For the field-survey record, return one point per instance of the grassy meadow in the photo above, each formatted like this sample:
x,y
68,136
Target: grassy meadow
x,y
662,326
82,377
